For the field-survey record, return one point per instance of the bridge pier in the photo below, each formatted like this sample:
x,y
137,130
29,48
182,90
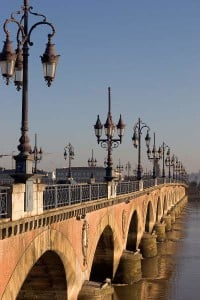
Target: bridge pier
x,y
177,211
173,219
96,291
160,232
129,269
168,221
148,245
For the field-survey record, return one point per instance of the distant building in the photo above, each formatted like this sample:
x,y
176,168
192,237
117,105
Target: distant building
x,y
7,179
81,174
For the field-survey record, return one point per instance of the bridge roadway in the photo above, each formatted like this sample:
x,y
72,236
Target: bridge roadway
x,y
57,253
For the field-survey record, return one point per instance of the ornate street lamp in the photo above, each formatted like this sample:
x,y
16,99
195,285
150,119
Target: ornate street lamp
x,y
164,147
183,174
175,161
177,168
14,64
137,132
91,161
70,149
169,162
37,155
128,169
109,142
154,155
119,169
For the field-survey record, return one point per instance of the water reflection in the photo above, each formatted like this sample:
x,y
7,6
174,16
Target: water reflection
x,y
186,280
160,271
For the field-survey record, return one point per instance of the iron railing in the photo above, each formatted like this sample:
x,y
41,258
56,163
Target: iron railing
x,y
148,182
125,187
67,194
59,195
161,180
4,194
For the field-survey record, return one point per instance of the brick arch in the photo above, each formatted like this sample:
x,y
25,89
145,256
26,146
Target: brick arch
x,y
164,204
174,197
102,264
46,279
140,218
177,196
47,240
170,200
107,220
149,219
132,231
159,209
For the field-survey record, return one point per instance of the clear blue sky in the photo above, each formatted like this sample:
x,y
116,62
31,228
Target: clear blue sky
x,y
147,51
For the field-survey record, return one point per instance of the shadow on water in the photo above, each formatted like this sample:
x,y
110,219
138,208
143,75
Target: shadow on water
x,y
157,272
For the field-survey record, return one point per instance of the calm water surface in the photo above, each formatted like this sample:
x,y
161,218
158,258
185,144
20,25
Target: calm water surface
x,y
175,273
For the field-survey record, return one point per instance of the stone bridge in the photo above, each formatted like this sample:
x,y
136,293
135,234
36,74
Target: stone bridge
x,y
68,252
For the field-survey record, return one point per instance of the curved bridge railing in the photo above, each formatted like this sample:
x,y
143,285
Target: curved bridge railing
x,y
59,195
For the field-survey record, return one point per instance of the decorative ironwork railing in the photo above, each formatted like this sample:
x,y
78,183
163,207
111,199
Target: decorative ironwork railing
x,y
161,180
148,183
68,194
125,187
4,202
60,195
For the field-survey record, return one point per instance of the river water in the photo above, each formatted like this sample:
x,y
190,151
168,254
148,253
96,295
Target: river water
x,y
175,273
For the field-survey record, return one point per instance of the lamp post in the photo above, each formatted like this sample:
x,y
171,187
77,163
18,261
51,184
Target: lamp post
x,y
183,174
137,132
15,64
109,142
169,162
175,161
37,155
154,155
70,149
177,168
128,169
163,148
119,169
91,161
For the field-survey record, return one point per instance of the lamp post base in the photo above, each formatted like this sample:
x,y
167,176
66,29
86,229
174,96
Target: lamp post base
x,y
109,178
23,168
109,174
139,173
